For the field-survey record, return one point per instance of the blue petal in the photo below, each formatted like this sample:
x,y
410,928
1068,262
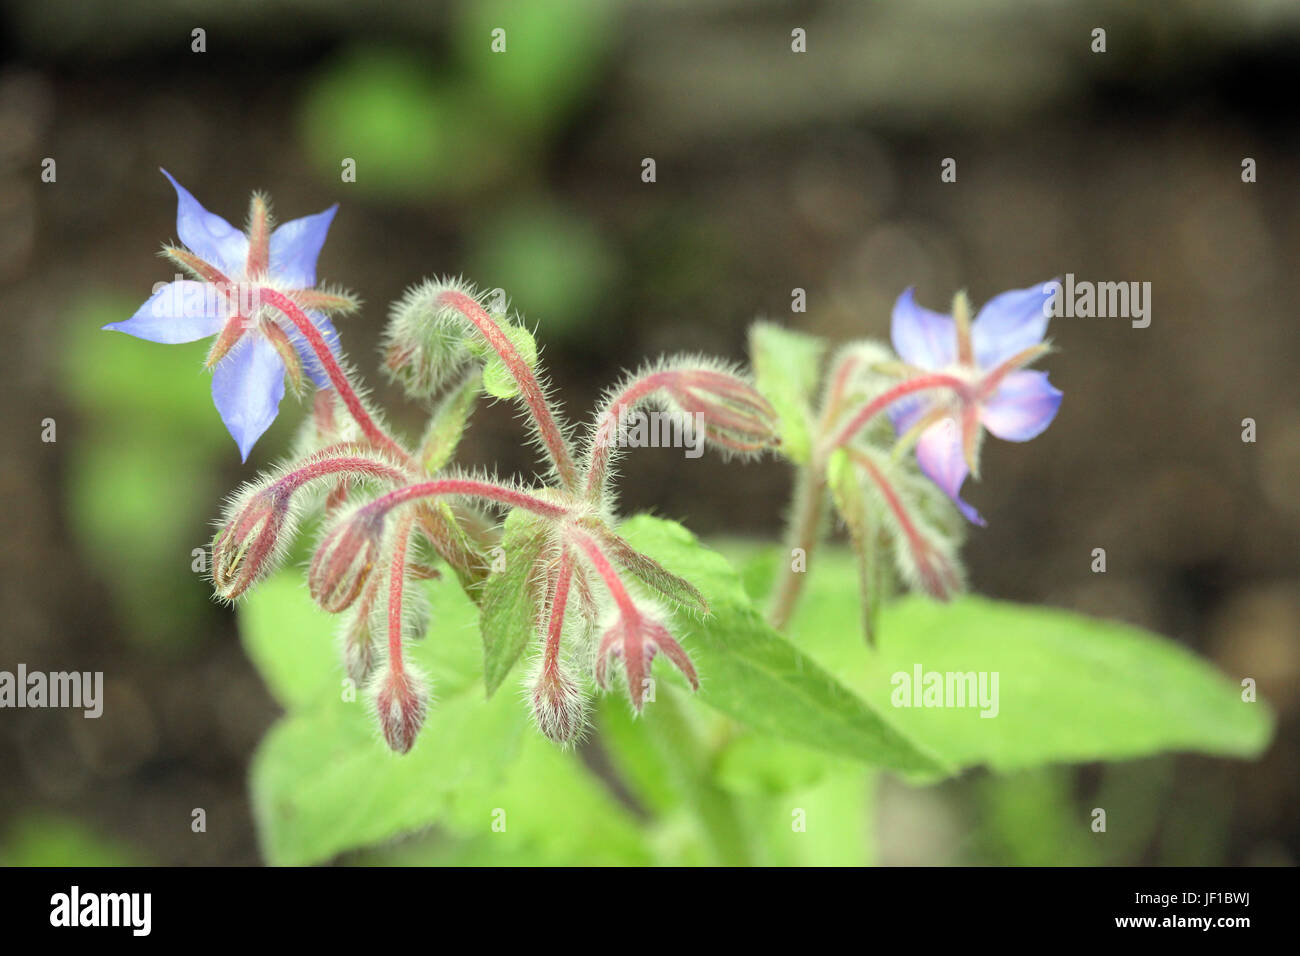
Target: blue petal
x,y
922,338
1022,407
1010,323
295,247
939,453
246,388
310,363
207,235
183,311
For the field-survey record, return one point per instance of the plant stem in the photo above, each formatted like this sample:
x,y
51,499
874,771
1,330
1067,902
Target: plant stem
x,y
338,378
469,487
803,533
529,388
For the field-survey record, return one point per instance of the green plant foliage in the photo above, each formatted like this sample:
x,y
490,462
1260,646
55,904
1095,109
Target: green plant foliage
x,y
1071,688
756,676
787,368
509,616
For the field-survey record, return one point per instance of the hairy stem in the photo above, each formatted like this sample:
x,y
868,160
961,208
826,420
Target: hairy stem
x,y
602,444
338,378
471,488
862,416
803,533
396,584
530,389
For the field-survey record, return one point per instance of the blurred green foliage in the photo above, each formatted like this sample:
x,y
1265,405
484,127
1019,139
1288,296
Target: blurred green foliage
x,y
44,839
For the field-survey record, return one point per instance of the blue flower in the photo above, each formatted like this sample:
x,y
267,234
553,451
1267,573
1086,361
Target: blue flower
x,y
989,357
256,348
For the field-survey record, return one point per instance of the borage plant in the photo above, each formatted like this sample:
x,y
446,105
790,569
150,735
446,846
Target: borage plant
x,y
547,571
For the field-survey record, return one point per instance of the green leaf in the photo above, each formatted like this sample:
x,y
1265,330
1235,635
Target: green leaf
x,y
322,780
448,422
510,596
753,674
1070,687
787,366
290,641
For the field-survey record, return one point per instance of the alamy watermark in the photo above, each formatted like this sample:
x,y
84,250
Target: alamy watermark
x,y
1083,299
638,429
922,688
71,689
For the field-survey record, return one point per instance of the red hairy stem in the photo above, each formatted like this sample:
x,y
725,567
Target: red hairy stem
x,y
337,376
342,465
839,383
627,608
471,488
559,603
396,584
601,446
530,389
885,399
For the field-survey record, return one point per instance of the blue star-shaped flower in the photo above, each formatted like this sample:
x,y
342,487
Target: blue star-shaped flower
x,y
255,349
989,356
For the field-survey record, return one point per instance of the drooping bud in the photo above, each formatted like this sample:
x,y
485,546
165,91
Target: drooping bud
x,y
358,634
426,342
559,705
345,558
248,546
734,415
925,552
636,639
401,701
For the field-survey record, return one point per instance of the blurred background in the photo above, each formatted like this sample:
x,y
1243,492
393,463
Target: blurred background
x,y
775,171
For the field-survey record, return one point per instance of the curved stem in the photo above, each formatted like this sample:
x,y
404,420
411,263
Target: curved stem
x,y
355,465
338,378
888,397
529,388
471,488
607,573
602,445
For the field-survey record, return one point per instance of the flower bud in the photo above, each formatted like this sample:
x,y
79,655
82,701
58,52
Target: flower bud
x,y
636,640
734,415
426,342
559,706
358,634
249,544
401,700
342,563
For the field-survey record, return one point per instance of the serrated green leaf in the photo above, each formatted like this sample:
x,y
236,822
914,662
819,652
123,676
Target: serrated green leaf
x,y
510,597
753,674
787,367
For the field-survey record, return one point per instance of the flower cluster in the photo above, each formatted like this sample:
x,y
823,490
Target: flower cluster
x,y
572,587
952,379
382,501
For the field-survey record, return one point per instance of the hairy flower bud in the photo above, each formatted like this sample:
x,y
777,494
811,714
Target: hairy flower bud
x,y
559,706
735,416
401,700
250,543
427,342
358,634
636,640
345,558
